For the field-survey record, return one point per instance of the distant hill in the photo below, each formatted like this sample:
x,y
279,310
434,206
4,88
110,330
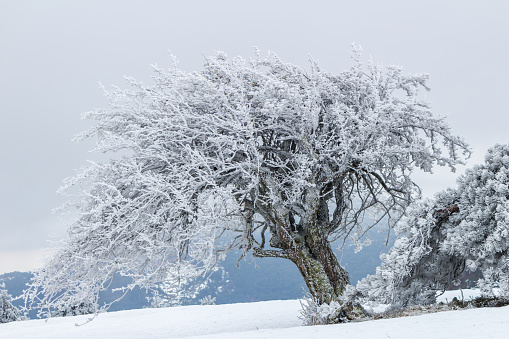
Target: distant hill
x,y
254,279
279,279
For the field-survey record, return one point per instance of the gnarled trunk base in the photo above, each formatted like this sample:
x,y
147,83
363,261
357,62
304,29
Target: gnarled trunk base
x,y
323,275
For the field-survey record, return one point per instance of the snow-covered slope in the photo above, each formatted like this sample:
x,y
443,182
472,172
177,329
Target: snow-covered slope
x,y
268,319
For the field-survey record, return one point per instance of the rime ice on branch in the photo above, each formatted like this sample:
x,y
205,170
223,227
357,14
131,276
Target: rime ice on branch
x,y
257,155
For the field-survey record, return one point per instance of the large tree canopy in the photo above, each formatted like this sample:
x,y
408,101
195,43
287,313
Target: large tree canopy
x,y
257,155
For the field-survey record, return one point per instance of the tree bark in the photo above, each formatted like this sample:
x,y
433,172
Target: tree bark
x,y
322,273
306,244
318,265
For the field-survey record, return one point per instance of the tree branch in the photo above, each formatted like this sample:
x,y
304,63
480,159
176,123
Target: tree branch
x,y
259,253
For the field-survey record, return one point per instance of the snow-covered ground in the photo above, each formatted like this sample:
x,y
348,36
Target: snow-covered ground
x,y
268,319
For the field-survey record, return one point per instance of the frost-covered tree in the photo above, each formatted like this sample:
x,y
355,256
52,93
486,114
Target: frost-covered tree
x,y
257,155
462,228
8,312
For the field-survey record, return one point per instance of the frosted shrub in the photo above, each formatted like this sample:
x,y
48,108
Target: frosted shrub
x,y
71,306
342,310
314,313
208,300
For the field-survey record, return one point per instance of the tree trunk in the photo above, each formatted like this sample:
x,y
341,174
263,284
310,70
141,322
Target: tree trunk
x,y
306,244
324,276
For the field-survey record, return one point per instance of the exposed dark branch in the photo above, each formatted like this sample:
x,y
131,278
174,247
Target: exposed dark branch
x,y
386,188
259,253
262,245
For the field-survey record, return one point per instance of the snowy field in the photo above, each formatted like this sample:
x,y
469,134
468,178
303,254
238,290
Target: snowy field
x,y
269,319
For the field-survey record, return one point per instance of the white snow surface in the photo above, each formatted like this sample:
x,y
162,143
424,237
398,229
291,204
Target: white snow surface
x,y
267,319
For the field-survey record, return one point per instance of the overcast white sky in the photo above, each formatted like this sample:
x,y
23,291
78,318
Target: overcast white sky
x,y
54,53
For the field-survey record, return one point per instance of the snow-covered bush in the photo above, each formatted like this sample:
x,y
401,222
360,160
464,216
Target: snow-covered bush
x,y
462,228
208,300
72,306
8,312
343,309
337,311
314,313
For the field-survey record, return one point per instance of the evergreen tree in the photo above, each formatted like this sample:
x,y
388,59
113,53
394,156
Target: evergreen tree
x,y
8,312
466,228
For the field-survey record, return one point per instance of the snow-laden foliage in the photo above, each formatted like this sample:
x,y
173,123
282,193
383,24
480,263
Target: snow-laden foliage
x,y
208,300
314,313
462,228
8,312
256,155
176,291
72,306
343,309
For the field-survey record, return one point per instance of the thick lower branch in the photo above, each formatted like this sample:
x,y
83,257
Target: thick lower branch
x,y
259,253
